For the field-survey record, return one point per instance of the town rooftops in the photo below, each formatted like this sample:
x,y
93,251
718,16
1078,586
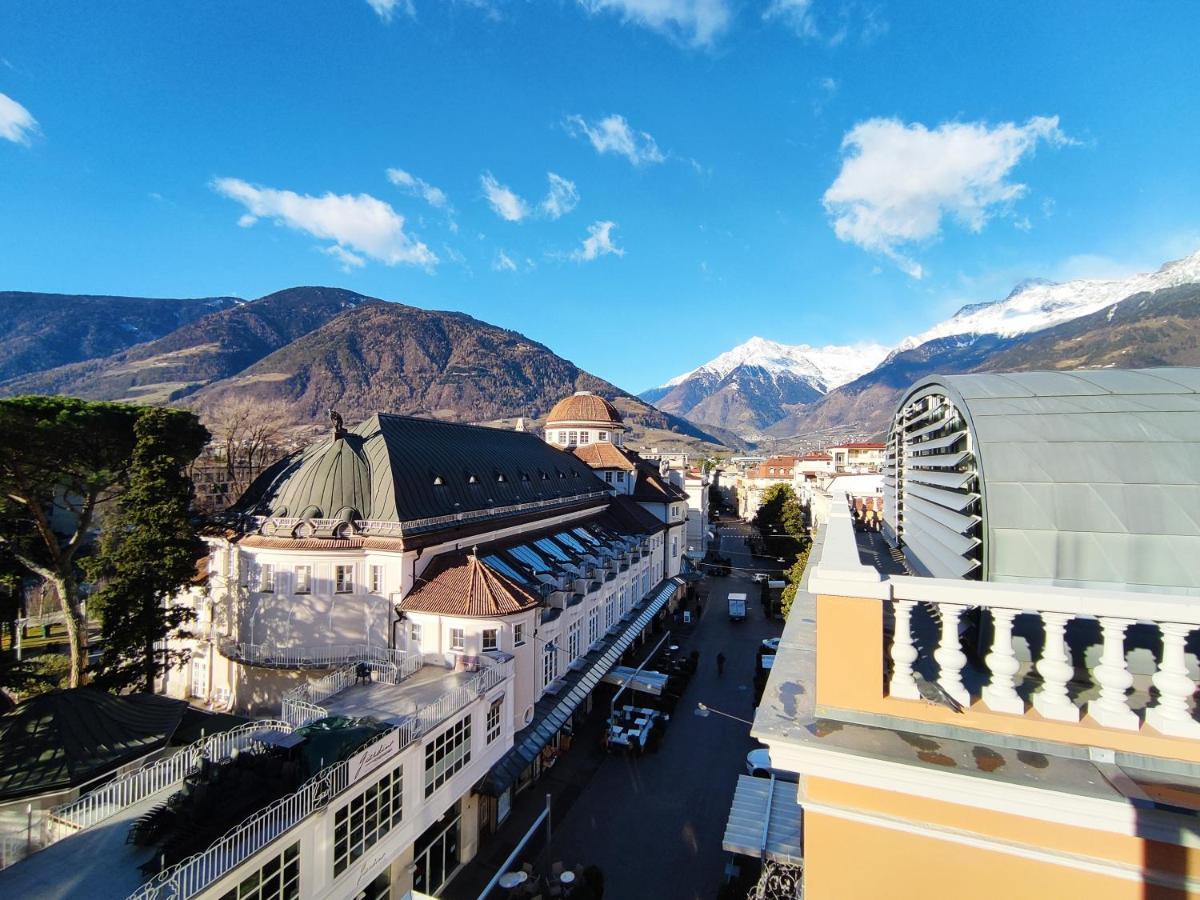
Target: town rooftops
x,y
859,445
401,468
603,455
458,584
584,407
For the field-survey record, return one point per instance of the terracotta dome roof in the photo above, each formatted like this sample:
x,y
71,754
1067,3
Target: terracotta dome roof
x,y
584,406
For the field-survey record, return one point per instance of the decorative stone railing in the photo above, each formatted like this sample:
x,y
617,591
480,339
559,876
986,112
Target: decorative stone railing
x,y
852,594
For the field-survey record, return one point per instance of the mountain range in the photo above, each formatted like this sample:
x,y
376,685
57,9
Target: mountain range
x,y
304,350
762,389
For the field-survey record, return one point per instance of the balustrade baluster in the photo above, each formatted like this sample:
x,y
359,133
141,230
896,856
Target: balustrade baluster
x,y
1055,667
904,654
1000,694
1175,686
949,655
1111,709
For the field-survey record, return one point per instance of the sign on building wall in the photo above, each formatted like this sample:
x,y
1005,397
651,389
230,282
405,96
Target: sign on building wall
x,y
374,756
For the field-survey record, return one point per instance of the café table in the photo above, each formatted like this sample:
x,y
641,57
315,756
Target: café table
x,y
510,880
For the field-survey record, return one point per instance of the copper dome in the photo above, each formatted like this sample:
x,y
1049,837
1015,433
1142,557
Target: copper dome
x,y
584,406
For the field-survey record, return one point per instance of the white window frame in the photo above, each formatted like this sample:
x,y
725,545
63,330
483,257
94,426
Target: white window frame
x,y
302,579
585,437
549,664
343,579
604,436
458,639
447,754
493,643
519,634
367,819
495,716
414,633
266,578
593,625
376,579
573,641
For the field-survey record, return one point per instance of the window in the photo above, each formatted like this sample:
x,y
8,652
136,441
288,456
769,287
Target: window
x,y
493,719
457,639
199,687
573,641
604,436
414,634
674,546
519,634
608,477
620,476
610,610
266,577
573,438
376,579
490,639
230,562
562,437
446,754
278,879
362,822
303,576
594,625
584,436
549,664
343,579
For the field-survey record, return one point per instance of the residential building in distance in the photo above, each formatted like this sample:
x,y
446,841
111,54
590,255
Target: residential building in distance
x,y
695,485
857,457
441,598
995,697
756,479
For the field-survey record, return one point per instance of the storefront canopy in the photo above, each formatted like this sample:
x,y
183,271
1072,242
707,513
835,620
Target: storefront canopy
x,y
765,821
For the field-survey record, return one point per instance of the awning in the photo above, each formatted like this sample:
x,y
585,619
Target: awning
x,y
553,710
765,821
647,682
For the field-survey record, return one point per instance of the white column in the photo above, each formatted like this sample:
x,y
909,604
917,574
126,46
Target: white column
x,y
1000,694
1111,709
1175,686
904,654
1056,670
949,655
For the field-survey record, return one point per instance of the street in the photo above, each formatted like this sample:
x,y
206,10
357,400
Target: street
x,y
654,824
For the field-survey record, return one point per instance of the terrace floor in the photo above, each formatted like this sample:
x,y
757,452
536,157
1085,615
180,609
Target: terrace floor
x,y
95,864
387,701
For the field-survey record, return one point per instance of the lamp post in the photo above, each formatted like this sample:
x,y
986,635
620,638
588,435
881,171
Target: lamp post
x,y
703,710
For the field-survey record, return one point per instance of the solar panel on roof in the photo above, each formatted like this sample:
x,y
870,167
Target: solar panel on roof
x,y
499,565
548,546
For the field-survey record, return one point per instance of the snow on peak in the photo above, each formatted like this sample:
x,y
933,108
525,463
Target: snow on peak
x,y
1035,303
827,367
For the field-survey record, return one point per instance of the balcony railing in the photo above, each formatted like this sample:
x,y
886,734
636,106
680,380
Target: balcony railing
x,y
302,704
134,787
1003,690
323,656
192,876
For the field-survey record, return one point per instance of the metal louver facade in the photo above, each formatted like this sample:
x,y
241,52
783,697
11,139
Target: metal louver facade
x,y
932,502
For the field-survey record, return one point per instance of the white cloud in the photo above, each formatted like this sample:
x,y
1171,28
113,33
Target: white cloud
x,y
385,9
796,14
352,221
17,124
598,243
417,187
613,135
694,22
504,201
829,23
348,260
503,262
561,199
899,181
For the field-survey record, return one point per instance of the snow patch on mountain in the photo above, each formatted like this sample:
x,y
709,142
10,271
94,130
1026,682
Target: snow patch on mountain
x,y
823,367
1036,304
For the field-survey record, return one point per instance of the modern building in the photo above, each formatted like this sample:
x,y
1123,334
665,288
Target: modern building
x,y
1000,702
448,596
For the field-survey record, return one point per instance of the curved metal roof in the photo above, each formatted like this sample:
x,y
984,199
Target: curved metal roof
x,y
400,468
1081,478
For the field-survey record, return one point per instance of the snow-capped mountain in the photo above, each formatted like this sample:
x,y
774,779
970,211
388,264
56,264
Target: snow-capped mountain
x,y
749,387
1037,304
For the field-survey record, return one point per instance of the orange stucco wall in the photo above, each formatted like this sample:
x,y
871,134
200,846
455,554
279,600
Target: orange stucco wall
x,y
1012,829
847,860
850,656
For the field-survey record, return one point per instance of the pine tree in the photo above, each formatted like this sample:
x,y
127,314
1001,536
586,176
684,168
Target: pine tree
x,y
148,552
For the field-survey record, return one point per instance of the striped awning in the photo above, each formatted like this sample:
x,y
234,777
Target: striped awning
x,y
554,710
765,821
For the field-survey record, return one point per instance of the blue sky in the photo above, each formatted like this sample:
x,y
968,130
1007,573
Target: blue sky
x,y
638,184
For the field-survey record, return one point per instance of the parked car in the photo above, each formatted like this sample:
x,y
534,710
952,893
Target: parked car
x,y
758,764
761,577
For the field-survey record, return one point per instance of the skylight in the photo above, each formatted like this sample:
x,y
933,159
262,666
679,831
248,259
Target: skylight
x,y
526,555
548,546
570,542
499,565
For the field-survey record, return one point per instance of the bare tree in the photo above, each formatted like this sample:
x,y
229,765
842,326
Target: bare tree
x,y
247,437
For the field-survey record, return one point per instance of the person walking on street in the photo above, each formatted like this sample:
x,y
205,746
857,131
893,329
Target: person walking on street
x,y
720,664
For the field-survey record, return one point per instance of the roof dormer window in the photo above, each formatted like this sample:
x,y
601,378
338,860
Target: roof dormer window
x,y
500,477
472,479
438,480
524,476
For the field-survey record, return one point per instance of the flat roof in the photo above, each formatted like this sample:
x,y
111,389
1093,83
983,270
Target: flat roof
x,y
389,701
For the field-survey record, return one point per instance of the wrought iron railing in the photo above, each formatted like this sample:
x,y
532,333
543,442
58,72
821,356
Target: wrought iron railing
x,y
193,875
314,657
